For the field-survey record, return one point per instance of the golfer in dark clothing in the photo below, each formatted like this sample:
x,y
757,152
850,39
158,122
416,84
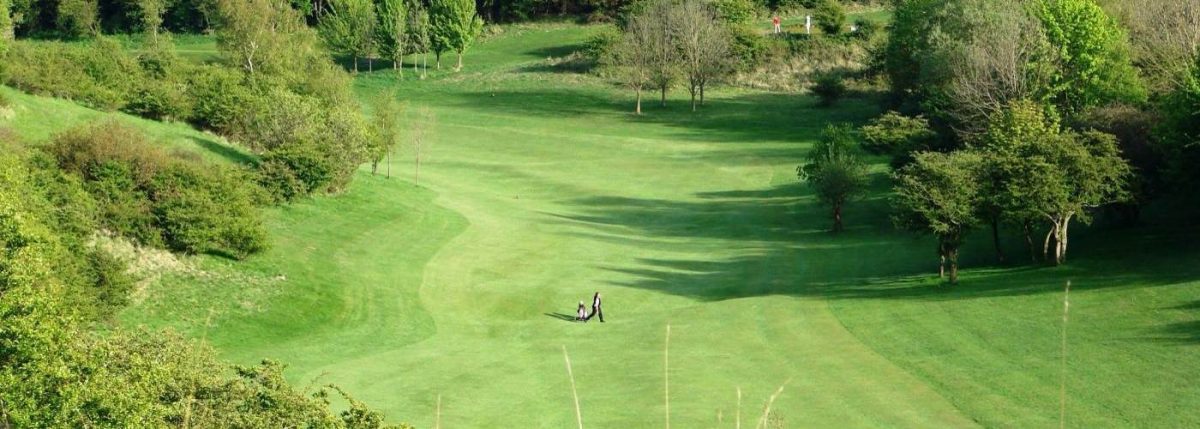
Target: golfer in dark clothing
x,y
596,311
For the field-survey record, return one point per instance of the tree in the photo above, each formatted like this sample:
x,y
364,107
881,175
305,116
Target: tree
x,y
898,136
454,25
7,31
386,133
349,28
393,31
663,50
1006,57
834,170
1166,38
152,16
938,194
632,57
830,17
79,18
1093,57
419,37
419,132
703,45
253,34
1043,173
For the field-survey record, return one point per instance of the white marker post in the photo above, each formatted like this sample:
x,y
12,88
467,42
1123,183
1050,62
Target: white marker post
x,y
807,24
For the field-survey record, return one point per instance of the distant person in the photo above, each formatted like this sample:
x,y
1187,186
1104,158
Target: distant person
x,y
581,313
596,310
775,22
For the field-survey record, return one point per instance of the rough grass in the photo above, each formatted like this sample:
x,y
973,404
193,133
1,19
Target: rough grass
x,y
540,188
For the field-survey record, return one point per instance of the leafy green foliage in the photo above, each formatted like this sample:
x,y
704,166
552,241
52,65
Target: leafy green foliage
x,y
1179,134
830,17
834,170
349,28
78,18
737,12
145,195
392,33
898,136
1094,65
455,26
938,194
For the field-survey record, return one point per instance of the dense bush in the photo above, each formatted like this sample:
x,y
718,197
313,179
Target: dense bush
x,y
55,373
898,136
829,89
830,17
145,195
205,209
96,73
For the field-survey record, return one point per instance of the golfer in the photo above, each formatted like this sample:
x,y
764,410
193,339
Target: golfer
x,y
596,310
775,22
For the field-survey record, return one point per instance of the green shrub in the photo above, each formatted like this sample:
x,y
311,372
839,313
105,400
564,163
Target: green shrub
x,y
748,47
735,11
218,97
297,167
865,29
599,47
829,89
898,136
161,100
830,17
205,209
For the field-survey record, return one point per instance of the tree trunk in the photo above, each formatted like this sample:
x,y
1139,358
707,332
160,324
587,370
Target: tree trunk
x,y
1046,244
638,109
953,266
374,166
458,67
370,64
389,161
941,260
837,218
355,57
693,91
996,239
1028,227
664,95
437,56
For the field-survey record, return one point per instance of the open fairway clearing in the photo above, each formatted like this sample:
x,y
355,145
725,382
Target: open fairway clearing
x,y
538,187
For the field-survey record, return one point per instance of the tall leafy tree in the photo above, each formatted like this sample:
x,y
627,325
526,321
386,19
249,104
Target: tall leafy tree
x,y
386,133
663,49
78,18
420,39
835,171
152,16
7,31
938,194
1093,57
349,28
1052,176
393,31
455,25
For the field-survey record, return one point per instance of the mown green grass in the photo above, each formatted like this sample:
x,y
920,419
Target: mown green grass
x,y
539,188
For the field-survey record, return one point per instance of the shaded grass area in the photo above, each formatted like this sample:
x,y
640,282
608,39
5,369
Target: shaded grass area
x,y
539,188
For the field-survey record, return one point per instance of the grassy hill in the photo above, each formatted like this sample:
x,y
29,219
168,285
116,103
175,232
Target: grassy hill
x,y
540,188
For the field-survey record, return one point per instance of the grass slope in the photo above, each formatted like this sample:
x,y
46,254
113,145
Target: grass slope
x,y
37,119
539,188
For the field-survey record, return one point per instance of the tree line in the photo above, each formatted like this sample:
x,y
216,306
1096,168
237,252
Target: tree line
x,y
1025,116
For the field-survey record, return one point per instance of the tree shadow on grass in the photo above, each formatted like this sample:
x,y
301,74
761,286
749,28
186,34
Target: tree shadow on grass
x,y
743,118
227,152
775,242
562,316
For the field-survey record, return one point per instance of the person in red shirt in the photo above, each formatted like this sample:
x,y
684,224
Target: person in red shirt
x,y
775,22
